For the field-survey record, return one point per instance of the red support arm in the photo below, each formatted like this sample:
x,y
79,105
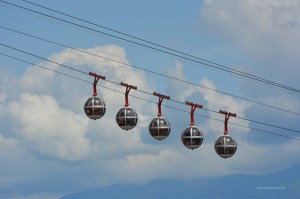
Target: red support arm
x,y
96,78
193,108
128,88
227,115
161,98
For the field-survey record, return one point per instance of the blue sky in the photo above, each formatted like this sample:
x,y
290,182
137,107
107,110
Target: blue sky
x,y
45,138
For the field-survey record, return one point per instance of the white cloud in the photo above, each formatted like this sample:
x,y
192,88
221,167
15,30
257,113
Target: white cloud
x,y
45,126
48,128
52,120
44,118
36,78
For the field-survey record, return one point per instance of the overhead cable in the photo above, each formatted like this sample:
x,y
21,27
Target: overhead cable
x,y
228,69
149,71
149,93
170,107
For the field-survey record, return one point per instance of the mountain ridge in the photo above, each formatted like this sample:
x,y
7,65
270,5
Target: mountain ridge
x,y
283,184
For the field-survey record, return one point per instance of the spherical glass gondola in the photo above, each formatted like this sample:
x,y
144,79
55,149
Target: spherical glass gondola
x,y
126,118
225,146
94,108
192,137
159,128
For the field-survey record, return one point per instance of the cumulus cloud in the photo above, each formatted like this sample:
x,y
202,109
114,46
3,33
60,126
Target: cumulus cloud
x,y
48,128
66,105
44,117
44,125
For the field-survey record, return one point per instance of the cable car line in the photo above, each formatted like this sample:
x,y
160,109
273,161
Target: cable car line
x,y
170,107
140,39
71,68
155,102
133,37
232,71
122,33
149,71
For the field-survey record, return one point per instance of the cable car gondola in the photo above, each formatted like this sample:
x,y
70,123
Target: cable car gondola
x,y
159,127
225,145
126,117
95,107
192,137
